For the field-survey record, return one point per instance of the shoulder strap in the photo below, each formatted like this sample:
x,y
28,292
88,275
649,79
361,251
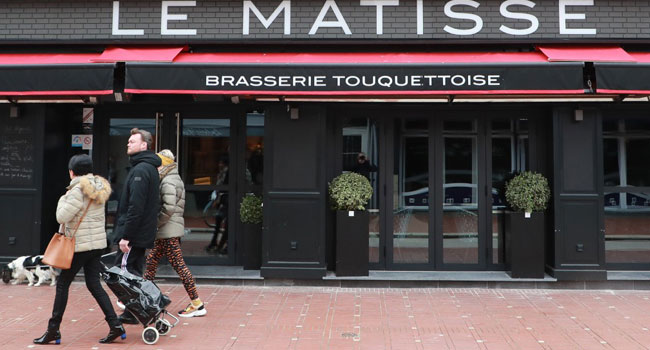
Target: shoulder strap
x,y
81,219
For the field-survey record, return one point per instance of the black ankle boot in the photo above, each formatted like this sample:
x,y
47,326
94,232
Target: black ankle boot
x,y
113,334
48,337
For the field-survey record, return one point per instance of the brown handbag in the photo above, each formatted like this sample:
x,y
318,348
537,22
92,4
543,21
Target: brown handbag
x,y
60,250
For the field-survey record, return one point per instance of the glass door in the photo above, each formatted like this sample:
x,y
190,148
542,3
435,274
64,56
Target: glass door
x,y
410,243
438,201
461,238
219,156
205,166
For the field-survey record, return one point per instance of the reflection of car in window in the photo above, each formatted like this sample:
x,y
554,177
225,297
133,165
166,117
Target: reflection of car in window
x,y
626,201
456,194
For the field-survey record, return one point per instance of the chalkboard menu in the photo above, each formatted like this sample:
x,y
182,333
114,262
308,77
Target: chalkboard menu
x,y
16,154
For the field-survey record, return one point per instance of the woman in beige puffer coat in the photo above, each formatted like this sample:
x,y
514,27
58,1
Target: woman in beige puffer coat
x,y
171,227
86,191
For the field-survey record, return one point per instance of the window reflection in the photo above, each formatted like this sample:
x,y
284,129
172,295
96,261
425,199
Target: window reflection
x,y
206,147
460,203
411,209
255,148
627,227
206,162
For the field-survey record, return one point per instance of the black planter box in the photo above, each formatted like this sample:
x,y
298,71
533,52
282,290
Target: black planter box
x,y
252,246
352,243
525,245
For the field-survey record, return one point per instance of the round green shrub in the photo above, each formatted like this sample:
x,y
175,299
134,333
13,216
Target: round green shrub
x,y
350,191
250,210
528,192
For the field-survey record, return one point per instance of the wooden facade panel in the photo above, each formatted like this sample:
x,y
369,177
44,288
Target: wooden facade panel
x,y
295,230
578,155
580,234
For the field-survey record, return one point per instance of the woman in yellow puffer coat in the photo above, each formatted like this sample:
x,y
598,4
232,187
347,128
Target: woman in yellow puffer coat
x,y
171,227
85,191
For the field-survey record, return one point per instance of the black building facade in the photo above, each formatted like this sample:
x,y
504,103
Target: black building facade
x,y
446,99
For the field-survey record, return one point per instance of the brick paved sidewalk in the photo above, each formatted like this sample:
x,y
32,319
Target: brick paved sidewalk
x,y
335,318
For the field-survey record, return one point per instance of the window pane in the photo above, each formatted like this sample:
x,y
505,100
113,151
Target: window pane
x,y
255,148
205,145
638,161
460,206
610,162
411,209
459,125
502,125
502,150
637,125
627,227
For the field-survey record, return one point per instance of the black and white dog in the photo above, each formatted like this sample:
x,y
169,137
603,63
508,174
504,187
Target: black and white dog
x,y
31,269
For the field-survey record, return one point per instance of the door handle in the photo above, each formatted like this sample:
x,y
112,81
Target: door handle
x,y
178,133
157,130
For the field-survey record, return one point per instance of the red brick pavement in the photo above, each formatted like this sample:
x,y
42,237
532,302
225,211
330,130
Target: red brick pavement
x,y
339,318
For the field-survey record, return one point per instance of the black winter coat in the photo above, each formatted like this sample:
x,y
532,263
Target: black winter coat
x,y
137,212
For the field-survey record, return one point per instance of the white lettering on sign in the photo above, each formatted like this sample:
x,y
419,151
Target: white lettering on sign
x,y
353,81
284,6
320,20
380,10
534,23
166,17
565,16
453,9
116,23
458,15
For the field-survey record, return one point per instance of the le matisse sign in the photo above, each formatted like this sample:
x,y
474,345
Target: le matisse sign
x,y
325,19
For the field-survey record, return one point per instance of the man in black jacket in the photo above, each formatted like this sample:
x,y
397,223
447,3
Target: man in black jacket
x,y
137,213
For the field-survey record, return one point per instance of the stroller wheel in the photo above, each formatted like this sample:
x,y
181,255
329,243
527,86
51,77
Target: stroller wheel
x,y
150,335
162,326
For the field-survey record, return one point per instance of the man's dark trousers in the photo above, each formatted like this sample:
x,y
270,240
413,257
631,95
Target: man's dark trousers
x,y
135,265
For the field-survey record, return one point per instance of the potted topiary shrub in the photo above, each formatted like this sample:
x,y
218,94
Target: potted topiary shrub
x,y
349,193
250,214
528,195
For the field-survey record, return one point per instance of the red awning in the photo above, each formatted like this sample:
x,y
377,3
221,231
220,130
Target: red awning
x,y
366,57
46,58
586,54
140,54
641,57
54,74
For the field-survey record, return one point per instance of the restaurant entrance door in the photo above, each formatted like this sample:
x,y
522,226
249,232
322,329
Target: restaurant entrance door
x,y
438,180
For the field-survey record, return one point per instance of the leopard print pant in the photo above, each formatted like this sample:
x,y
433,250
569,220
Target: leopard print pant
x,y
171,248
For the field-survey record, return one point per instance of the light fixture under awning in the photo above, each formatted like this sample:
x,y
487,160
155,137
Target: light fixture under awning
x,y
44,74
344,74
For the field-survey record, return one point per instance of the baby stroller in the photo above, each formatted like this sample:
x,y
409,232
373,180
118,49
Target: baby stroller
x,y
142,298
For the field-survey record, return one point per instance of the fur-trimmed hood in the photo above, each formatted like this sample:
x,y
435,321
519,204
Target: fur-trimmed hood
x,y
94,187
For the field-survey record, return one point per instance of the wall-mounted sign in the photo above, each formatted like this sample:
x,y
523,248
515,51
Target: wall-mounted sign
x,y
126,20
83,141
274,79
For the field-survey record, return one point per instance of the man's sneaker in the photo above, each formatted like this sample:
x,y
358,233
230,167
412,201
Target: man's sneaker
x,y
120,305
192,311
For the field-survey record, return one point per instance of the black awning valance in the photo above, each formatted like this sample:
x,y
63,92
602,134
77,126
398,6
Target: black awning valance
x,y
622,78
54,74
357,74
